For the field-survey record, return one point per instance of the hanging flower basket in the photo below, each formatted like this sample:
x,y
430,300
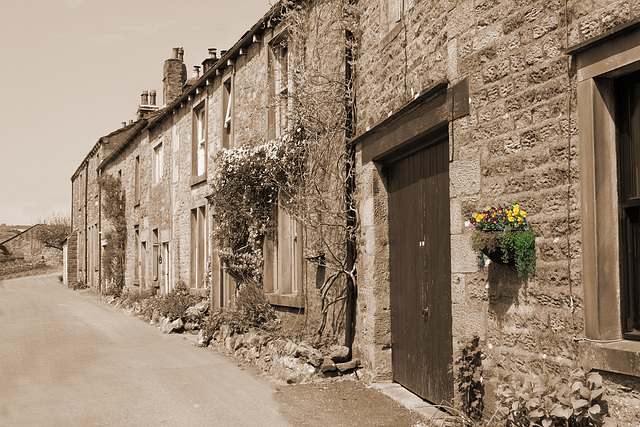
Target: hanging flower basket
x,y
503,236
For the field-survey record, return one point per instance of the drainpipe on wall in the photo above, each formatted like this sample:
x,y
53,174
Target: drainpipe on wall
x,y
86,218
100,287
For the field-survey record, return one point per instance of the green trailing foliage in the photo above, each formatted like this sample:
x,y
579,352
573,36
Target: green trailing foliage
x,y
503,234
521,246
467,370
550,400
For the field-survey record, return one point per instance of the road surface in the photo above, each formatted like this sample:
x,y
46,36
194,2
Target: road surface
x,y
68,360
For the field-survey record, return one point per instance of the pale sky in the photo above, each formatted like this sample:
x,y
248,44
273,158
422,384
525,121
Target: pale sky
x,y
72,70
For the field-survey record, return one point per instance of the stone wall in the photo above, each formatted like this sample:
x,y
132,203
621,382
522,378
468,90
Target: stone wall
x,y
519,142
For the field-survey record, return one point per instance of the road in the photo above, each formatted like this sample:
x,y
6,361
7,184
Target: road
x,y
68,360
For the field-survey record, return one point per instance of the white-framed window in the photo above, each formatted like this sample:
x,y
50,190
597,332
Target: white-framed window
x,y
199,157
158,162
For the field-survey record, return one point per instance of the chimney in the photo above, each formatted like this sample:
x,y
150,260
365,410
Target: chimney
x,y
145,106
174,76
212,59
124,124
152,97
196,72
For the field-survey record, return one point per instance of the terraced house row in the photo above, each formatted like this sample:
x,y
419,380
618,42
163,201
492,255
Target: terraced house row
x,y
449,107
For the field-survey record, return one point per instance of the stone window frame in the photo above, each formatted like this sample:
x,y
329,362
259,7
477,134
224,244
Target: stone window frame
x,y
158,162
599,62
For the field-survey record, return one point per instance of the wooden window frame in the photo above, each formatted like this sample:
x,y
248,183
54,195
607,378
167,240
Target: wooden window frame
x,y
136,193
283,267
599,63
158,162
199,144
228,111
278,55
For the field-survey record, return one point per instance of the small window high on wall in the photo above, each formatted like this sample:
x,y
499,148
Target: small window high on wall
x,y
227,112
158,162
199,151
278,78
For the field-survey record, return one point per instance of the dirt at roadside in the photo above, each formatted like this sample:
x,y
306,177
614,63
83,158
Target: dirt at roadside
x,y
341,403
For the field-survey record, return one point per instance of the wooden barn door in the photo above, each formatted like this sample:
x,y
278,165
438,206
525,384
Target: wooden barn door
x,y
421,271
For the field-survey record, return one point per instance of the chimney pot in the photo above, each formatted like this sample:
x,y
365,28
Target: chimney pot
x,y
124,124
181,54
212,52
144,98
152,97
223,53
131,121
196,72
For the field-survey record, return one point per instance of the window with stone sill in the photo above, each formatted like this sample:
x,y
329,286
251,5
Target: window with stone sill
x,y
608,87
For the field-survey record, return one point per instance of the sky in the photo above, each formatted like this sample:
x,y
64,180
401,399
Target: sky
x,y
72,71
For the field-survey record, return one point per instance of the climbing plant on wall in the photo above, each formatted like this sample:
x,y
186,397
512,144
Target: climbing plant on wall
x,y
114,230
244,196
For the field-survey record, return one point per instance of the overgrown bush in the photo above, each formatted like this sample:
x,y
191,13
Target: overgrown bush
x,y
79,285
550,400
174,304
252,311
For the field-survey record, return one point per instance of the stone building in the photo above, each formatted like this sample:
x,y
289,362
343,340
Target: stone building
x,y
483,103
459,105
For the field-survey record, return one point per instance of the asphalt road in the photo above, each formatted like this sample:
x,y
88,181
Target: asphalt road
x,y
68,360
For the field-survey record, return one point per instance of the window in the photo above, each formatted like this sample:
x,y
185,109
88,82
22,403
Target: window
x,y
136,250
137,181
283,261
608,123
627,93
199,152
158,162
155,260
278,86
391,13
227,113
198,247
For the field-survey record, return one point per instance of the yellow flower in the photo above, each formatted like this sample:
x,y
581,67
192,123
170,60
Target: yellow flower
x,y
520,220
516,209
510,218
488,207
523,213
475,216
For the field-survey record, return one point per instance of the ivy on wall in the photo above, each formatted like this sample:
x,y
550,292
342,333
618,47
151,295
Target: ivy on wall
x,y
114,232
